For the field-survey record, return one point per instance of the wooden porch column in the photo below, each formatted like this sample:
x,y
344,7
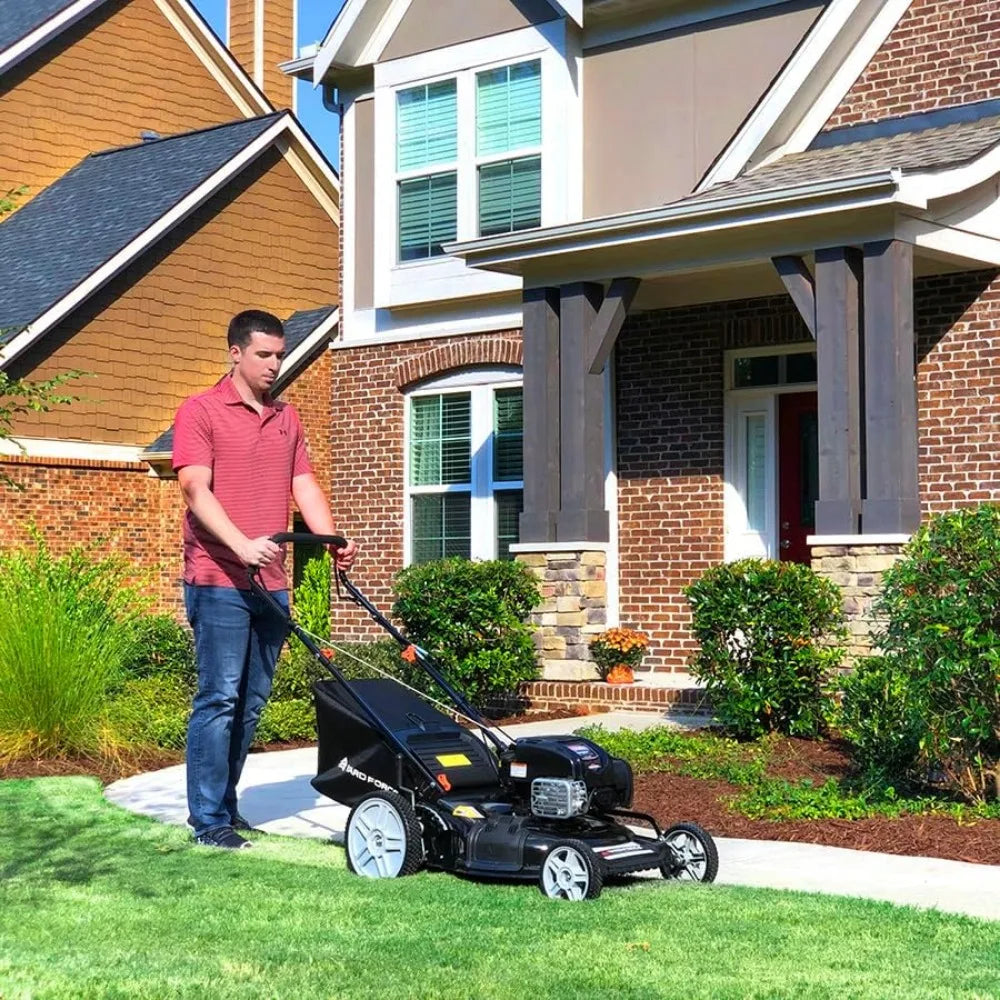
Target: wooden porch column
x,y
838,335
541,414
582,514
891,503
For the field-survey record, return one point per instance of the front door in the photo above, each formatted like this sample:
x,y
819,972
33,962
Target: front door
x,y
798,474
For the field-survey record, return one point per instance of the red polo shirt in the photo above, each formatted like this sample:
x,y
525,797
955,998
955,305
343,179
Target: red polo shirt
x,y
253,459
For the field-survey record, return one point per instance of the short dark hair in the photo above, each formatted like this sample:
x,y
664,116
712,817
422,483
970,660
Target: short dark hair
x,y
243,325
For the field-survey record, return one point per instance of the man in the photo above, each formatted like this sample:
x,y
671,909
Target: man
x,y
239,455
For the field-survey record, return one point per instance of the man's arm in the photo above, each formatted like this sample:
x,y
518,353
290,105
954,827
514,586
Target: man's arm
x,y
315,510
196,487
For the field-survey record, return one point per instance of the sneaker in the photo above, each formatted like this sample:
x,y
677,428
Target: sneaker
x,y
224,837
239,823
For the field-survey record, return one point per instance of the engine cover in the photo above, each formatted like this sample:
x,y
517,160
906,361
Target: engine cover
x,y
608,779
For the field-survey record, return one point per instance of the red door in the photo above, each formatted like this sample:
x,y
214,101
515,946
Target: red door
x,y
798,474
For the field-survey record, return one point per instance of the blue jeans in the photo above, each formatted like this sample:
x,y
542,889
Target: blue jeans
x,y
237,641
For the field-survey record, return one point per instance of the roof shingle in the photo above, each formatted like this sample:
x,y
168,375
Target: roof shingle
x,y
82,220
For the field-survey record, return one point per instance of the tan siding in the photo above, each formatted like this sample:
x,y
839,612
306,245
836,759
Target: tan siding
x,y
434,24
364,205
118,72
673,101
241,34
157,333
279,47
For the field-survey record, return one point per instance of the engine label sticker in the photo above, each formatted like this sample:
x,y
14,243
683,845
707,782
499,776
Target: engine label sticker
x,y
518,769
467,812
453,760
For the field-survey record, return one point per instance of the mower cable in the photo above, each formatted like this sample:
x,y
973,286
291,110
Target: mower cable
x,y
449,709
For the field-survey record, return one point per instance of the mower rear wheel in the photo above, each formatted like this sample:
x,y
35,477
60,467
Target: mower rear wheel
x,y
695,858
383,837
571,871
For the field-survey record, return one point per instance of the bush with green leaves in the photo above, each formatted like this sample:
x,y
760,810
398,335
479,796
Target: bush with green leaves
x,y
164,648
768,635
938,678
472,618
152,711
71,625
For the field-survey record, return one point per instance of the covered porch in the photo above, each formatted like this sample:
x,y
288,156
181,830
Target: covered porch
x,y
835,240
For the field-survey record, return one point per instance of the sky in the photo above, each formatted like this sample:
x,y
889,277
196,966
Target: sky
x,y
315,17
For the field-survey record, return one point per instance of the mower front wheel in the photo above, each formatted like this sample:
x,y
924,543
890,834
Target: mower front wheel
x,y
383,837
694,855
571,871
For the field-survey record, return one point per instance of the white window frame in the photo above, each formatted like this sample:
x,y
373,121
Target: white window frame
x,y
443,277
480,383
740,541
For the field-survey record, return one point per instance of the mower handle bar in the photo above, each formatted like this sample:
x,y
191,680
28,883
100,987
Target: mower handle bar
x,y
307,538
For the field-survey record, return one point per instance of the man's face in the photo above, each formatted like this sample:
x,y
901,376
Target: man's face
x,y
258,363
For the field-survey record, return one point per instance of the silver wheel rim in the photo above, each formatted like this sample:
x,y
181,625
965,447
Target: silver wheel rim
x,y
376,840
565,874
690,854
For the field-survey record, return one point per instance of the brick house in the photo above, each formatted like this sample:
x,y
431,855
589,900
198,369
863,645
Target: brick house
x,y
165,192
730,269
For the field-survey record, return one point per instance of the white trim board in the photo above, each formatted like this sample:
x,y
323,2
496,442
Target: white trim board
x,y
88,450
53,26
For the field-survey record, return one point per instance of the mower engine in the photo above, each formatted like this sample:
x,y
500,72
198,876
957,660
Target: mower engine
x,y
558,777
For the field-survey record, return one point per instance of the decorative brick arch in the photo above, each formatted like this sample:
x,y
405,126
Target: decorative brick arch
x,y
470,353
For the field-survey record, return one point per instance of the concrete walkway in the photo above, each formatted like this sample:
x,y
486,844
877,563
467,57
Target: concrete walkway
x,y
276,796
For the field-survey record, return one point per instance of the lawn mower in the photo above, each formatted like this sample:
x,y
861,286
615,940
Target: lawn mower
x,y
425,791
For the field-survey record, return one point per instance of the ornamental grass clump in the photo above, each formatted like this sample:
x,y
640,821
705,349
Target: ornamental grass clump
x,y
618,651
71,624
769,637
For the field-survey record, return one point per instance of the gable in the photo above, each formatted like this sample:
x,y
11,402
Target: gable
x,y
156,333
100,83
436,24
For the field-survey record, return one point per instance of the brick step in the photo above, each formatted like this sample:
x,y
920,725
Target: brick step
x,y
546,696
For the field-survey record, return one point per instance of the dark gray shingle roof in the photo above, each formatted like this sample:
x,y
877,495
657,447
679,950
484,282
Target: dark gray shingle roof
x,y
298,327
82,220
18,18
929,149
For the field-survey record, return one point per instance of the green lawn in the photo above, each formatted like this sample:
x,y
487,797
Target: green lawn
x,y
95,902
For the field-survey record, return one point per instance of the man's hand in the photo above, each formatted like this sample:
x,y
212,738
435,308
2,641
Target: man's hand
x,y
344,558
257,552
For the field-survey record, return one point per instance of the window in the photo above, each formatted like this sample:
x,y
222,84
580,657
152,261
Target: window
x,y
763,370
508,157
427,181
508,121
464,479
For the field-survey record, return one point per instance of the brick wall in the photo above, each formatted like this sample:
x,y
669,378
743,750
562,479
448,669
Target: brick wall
x,y
366,442
942,53
110,506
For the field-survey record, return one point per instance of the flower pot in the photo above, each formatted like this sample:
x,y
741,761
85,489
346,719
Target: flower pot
x,y
620,674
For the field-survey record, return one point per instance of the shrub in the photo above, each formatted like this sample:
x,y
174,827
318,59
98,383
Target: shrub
x,y
471,616
767,633
164,648
71,624
152,711
940,636
283,721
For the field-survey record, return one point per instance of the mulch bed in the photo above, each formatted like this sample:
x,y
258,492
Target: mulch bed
x,y
671,799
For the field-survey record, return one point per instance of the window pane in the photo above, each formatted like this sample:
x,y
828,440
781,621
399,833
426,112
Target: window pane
x,y
441,526
755,371
510,503
508,458
754,428
510,196
440,440
800,368
426,125
508,108
428,213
